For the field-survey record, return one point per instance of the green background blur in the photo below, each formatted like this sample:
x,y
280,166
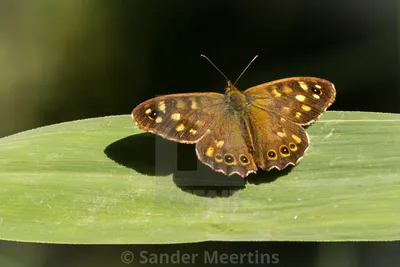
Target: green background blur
x,y
66,60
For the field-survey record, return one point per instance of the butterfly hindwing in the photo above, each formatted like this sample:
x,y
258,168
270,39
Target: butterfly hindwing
x,y
299,99
225,147
182,118
279,142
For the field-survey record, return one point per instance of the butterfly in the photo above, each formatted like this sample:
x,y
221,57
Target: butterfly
x,y
239,132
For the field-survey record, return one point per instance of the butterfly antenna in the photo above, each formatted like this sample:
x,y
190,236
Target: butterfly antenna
x,y
215,67
245,69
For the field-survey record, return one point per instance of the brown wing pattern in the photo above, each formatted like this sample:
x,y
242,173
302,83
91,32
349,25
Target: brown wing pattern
x,y
182,118
300,99
235,137
225,147
278,142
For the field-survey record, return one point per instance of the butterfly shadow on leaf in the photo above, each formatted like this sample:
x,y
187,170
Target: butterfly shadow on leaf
x,y
154,156
268,176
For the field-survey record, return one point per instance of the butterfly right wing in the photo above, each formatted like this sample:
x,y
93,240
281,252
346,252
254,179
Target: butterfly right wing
x,y
182,118
298,99
278,141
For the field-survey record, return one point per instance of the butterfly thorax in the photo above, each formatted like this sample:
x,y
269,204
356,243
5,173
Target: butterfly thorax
x,y
235,99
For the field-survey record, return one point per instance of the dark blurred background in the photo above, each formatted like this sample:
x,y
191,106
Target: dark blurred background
x,y
66,60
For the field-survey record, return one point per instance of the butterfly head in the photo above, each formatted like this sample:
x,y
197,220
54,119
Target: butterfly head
x,y
235,98
230,87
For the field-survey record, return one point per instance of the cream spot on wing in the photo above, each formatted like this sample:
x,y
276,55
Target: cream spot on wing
x,y
176,116
316,96
158,120
194,104
219,143
306,108
318,86
286,109
287,90
148,111
276,93
283,119
200,123
303,85
180,104
298,114
180,127
281,134
193,131
210,152
301,98
296,138
161,106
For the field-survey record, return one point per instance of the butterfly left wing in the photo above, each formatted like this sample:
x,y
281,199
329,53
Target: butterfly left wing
x,y
226,147
182,118
299,99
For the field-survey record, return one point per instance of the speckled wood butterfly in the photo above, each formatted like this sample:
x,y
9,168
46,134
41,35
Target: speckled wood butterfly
x,y
237,132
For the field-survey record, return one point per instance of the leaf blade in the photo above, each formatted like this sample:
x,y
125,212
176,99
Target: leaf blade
x,y
59,186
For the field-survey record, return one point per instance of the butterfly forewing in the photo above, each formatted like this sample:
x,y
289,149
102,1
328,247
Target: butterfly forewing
x,y
300,99
181,117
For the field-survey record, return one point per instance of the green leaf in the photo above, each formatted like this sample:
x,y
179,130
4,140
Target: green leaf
x,y
93,181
